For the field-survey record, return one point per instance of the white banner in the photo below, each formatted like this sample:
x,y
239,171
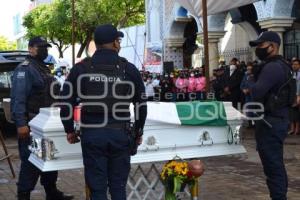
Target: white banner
x,y
213,6
153,58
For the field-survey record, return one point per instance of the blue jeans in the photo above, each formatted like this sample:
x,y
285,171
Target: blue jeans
x,y
270,148
106,161
29,174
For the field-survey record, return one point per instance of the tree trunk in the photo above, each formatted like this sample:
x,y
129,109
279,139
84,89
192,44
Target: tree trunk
x,y
123,21
59,47
84,45
61,52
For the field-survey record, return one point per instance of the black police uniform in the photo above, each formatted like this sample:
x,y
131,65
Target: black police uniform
x,y
271,131
106,150
31,91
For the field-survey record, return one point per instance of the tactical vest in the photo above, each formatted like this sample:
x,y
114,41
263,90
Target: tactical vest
x,y
41,98
285,96
103,89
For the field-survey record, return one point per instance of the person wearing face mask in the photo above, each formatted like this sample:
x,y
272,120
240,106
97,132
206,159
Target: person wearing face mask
x,y
149,89
200,86
181,85
31,83
156,85
246,84
233,78
172,81
60,77
192,87
275,91
166,89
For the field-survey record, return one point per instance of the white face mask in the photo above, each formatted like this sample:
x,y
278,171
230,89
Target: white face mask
x,y
232,67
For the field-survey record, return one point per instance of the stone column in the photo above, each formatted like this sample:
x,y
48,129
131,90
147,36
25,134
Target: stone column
x,y
213,48
277,25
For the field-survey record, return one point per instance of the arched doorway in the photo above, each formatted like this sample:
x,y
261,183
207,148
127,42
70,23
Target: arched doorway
x,y
241,26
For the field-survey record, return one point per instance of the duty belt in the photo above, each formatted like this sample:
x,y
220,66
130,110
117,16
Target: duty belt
x,y
119,126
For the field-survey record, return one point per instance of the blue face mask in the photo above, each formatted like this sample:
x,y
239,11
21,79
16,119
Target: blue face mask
x,y
59,74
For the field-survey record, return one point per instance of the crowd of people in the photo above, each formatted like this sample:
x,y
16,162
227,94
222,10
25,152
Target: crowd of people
x,y
183,85
229,83
103,148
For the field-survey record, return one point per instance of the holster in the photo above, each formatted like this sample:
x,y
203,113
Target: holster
x,y
132,137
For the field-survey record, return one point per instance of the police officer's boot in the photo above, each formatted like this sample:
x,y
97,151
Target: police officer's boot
x,y
23,195
55,194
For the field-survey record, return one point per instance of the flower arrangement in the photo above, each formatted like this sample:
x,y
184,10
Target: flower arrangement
x,y
176,175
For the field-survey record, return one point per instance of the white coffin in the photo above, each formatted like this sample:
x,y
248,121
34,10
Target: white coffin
x,y
162,140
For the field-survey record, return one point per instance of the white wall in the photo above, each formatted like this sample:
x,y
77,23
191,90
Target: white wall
x,y
133,45
237,35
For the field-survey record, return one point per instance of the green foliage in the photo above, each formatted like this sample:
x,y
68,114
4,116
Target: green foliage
x,y
54,21
6,45
128,12
50,21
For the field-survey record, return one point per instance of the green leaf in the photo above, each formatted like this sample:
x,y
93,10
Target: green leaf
x,y
6,45
54,21
177,184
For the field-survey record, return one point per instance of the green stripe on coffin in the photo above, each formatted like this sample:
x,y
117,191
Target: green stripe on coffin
x,y
210,113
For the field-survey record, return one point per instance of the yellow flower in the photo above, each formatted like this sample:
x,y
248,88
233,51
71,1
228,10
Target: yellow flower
x,y
185,171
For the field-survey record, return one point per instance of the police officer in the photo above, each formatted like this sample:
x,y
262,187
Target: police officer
x,y
30,91
105,85
273,90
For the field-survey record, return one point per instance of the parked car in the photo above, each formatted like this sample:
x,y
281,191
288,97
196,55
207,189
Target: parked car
x,y
9,60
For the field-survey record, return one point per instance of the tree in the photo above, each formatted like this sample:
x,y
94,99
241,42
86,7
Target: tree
x,y
51,21
129,12
6,45
54,21
120,13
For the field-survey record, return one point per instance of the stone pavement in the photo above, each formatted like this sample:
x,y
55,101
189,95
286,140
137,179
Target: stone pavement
x,y
236,177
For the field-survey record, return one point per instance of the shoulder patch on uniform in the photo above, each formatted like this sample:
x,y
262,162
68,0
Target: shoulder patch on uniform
x,y
20,75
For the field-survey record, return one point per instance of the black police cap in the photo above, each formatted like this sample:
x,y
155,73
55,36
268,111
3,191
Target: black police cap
x,y
38,41
267,36
107,33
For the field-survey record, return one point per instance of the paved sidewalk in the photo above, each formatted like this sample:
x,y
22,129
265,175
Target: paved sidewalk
x,y
237,177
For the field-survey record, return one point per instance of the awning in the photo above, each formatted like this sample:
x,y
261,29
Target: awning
x,y
213,6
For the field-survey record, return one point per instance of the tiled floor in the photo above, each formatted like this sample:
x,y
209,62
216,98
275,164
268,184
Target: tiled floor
x,y
238,177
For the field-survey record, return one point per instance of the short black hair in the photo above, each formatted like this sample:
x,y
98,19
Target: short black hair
x,y
297,60
234,59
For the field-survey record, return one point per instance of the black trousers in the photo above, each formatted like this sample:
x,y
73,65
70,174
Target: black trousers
x,y
29,174
270,142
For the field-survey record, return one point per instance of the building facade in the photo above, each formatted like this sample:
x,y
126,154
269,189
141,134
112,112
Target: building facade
x,y
180,35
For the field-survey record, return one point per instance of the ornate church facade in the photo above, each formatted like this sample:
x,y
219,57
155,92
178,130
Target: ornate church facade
x,y
178,35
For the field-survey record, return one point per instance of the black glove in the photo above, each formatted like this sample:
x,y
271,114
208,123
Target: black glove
x,y
134,139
